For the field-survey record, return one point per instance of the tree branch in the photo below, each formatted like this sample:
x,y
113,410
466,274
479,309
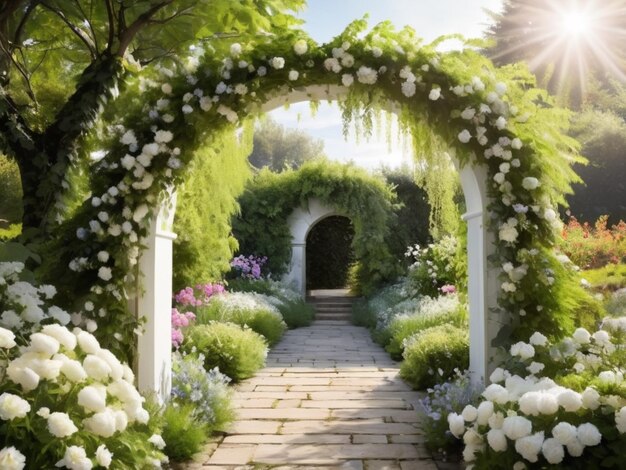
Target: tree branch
x,y
77,31
128,34
111,16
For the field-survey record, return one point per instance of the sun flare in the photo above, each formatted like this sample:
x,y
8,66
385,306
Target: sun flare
x,y
575,23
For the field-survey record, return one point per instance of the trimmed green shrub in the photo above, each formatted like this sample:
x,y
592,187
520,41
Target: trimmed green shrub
x,y
297,313
430,312
245,309
183,433
362,314
237,352
431,356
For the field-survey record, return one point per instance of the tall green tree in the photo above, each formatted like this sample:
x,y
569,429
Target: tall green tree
x,y
278,148
61,61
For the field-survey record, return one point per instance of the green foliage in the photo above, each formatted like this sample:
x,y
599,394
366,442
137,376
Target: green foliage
x,y
603,138
611,277
278,148
237,352
410,225
267,202
206,201
182,432
10,193
362,314
403,327
295,311
13,231
329,254
432,355
244,309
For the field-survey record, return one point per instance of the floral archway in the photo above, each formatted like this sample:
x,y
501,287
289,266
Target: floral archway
x,y
500,131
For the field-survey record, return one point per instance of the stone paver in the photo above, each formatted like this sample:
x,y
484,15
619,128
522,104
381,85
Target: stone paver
x,y
329,398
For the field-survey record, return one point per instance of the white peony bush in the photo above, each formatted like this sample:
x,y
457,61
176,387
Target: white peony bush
x,y
67,402
555,404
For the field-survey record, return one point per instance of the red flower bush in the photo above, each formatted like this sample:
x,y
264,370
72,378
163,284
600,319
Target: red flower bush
x,y
592,247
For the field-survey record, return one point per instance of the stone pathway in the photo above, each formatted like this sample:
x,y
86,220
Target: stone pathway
x,y
328,398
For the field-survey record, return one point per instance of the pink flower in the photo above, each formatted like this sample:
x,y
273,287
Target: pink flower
x,y
448,289
177,338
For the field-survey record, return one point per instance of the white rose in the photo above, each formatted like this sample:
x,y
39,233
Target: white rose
x,y
564,433
104,272
44,344
528,403
497,440
293,75
121,420
235,49
535,367
468,113
553,451
469,413
125,392
547,403
102,423
87,342
484,412
495,420
300,47
570,400
528,447
529,183
575,448
523,350
456,424
538,339
347,79
104,457
73,370
367,75
61,425
12,459
498,375
607,377
12,406
64,336
464,136
117,371
377,51
92,398
582,336
75,458
6,338
408,89
96,368
157,441
277,63
516,427
496,393
588,435
27,378
434,94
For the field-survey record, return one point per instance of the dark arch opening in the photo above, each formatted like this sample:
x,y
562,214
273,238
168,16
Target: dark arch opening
x,y
329,253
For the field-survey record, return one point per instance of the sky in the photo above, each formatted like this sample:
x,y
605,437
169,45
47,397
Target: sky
x,y
325,19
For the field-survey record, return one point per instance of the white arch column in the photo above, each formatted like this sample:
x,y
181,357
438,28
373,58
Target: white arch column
x,y
300,222
154,303
484,322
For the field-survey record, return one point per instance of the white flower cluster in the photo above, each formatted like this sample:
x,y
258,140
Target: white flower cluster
x,y
68,361
513,417
25,305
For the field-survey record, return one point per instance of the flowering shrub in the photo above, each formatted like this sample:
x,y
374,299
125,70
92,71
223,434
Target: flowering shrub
x,y
179,322
207,391
65,401
24,306
432,355
198,296
594,246
427,313
248,267
441,400
435,269
555,404
256,311
236,351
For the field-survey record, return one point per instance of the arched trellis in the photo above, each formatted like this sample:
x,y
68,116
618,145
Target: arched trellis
x,y
300,223
513,163
482,281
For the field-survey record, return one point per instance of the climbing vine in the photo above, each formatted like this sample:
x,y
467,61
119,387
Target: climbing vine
x,y
485,116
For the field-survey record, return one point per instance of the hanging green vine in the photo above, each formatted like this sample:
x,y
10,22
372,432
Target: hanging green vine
x,y
485,116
